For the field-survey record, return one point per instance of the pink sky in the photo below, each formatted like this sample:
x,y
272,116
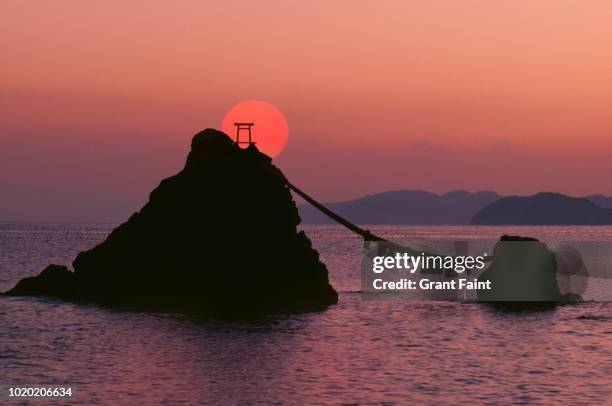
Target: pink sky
x,y
99,100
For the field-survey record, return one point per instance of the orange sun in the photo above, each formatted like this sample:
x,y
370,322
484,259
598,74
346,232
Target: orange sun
x,y
270,131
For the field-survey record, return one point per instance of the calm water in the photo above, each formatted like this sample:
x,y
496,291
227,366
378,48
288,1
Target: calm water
x,y
360,351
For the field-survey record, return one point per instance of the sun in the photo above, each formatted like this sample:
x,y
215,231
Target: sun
x,y
270,131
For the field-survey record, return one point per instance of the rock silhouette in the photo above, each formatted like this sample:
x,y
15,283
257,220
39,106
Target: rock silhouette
x,y
220,236
524,273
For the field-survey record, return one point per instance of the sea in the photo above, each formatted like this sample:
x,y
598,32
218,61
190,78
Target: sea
x,y
360,351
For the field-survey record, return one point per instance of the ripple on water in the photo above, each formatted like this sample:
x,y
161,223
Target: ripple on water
x,y
360,351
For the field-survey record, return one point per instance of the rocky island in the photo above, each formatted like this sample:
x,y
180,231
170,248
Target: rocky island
x,y
220,236
524,273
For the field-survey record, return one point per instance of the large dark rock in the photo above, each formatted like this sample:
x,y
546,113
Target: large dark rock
x,y
219,236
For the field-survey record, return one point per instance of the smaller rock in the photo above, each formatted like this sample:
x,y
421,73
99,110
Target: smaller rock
x,y
524,270
54,280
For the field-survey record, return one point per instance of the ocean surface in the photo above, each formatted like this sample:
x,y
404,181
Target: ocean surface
x,y
360,351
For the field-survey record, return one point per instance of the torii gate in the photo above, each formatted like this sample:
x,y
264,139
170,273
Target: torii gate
x,y
245,127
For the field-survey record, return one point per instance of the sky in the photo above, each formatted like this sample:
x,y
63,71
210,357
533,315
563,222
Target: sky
x,y
99,100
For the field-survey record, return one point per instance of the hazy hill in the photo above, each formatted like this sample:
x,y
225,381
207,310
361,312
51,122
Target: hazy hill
x,y
405,207
543,209
601,200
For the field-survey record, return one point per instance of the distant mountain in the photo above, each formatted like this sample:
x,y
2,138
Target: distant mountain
x,y
543,209
405,207
601,200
